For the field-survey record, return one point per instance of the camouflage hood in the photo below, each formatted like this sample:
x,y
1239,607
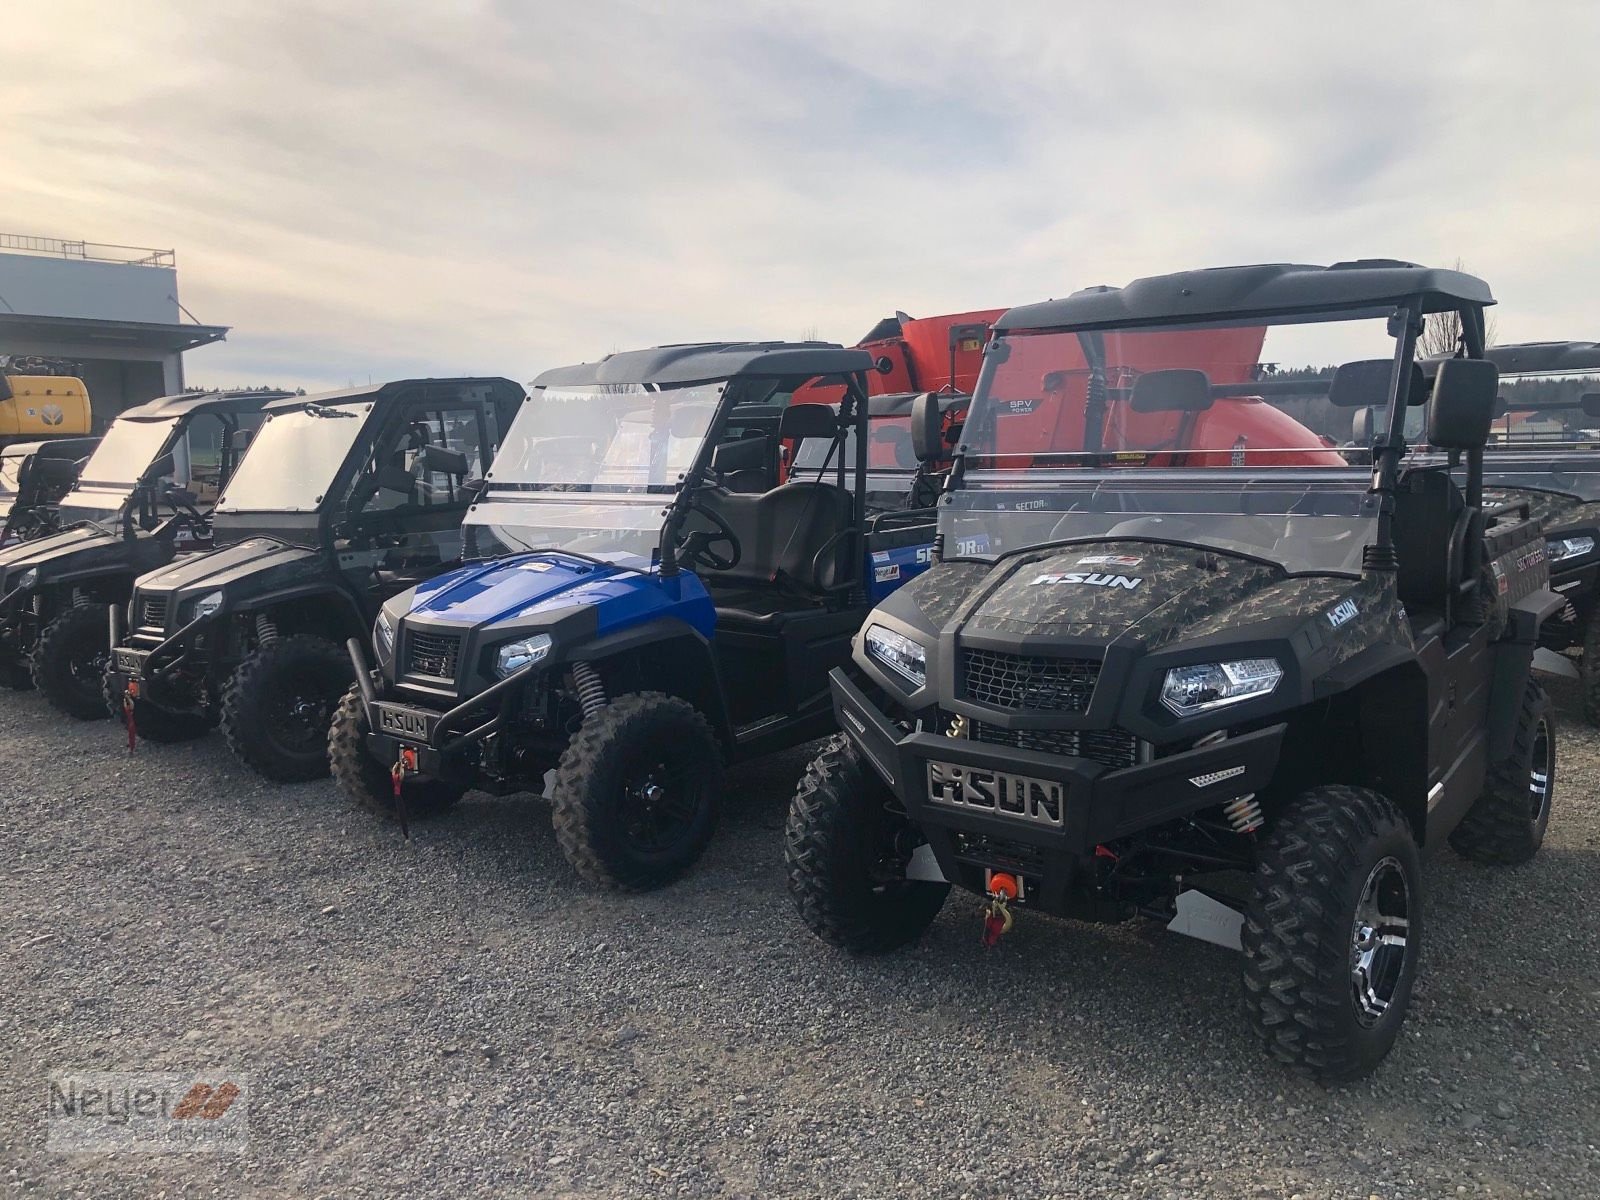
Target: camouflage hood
x,y
1557,510
1149,595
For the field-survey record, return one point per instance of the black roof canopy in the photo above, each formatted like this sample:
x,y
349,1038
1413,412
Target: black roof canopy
x,y
500,389
1540,357
166,407
703,362
1265,290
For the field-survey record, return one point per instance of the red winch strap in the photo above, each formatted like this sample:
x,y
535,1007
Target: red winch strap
x,y
397,776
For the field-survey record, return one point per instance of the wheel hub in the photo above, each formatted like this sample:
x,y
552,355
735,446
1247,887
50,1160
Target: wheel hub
x,y
1539,774
1380,940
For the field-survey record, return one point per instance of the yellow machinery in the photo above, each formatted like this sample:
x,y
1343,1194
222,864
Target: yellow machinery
x,y
42,406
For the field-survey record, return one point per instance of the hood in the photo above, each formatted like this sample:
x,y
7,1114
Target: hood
x,y
529,586
56,550
255,560
1558,510
1146,596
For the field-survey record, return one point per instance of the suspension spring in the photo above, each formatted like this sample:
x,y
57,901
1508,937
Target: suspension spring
x,y
1244,814
591,688
266,630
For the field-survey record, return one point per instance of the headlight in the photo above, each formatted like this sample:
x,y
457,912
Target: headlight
x,y
206,605
383,633
525,652
1205,686
28,578
1561,549
905,657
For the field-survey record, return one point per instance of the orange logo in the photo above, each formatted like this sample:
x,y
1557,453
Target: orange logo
x,y
206,1102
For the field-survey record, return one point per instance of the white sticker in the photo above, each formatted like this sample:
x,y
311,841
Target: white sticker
x,y
1342,613
885,574
1090,578
1111,560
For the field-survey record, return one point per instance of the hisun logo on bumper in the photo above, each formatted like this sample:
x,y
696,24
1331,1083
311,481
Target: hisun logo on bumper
x,y
1089,579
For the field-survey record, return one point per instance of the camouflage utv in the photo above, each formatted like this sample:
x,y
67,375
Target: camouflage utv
x,y
1166,666
1544,457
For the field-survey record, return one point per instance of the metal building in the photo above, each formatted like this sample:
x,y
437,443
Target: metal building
x,y
109,314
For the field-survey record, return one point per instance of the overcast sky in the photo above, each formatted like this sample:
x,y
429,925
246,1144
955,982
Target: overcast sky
x,y
381,189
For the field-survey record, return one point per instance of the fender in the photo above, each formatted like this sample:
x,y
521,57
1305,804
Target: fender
x,y
677,638
283,595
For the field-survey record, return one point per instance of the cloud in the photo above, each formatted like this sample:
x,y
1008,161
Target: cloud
x,y
380,189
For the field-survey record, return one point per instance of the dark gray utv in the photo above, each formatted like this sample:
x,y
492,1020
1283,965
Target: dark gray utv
x,y
1236,697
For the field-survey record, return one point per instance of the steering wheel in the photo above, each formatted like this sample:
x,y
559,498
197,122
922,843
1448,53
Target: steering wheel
x,y
695,546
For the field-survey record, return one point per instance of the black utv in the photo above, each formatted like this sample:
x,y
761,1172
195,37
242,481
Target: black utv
x,y
1544,452
344,500
141,499
34,476
646,598
1237,698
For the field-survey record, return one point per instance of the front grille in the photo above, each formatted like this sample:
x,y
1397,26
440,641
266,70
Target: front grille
x,y
1030,681
153,611
434,654
1110,747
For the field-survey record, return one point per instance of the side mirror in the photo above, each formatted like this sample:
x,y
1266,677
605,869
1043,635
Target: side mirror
x,y
927,427
395,479
444,460
1361,427
1589,402
1462,410
165,465
1178,390
746,454
688,422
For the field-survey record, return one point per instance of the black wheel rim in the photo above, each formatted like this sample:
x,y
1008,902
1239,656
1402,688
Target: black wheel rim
x,y
87,663
301,710
661,804
1541,771
1380,940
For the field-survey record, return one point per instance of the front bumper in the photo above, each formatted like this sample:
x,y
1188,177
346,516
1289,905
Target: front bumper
x,y
153,674
1047,832
430,740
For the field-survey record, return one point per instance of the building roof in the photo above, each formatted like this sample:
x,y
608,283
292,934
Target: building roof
x,y
703,362
167,338
1266,290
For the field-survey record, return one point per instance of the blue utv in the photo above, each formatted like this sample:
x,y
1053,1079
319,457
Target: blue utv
x,y
666,561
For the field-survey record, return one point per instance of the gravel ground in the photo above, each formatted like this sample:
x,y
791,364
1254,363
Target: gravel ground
x,y
455,1017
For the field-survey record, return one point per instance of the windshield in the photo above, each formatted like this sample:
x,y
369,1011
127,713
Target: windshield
x,y
626,532
620,438
315,439
1548,411
126,451
1228,436
122,457
889,449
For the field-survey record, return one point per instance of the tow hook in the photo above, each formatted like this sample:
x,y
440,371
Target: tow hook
x,y
997,917
404,765
127,717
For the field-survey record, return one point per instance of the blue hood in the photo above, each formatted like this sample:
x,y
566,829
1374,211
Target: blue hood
x,y
549,582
